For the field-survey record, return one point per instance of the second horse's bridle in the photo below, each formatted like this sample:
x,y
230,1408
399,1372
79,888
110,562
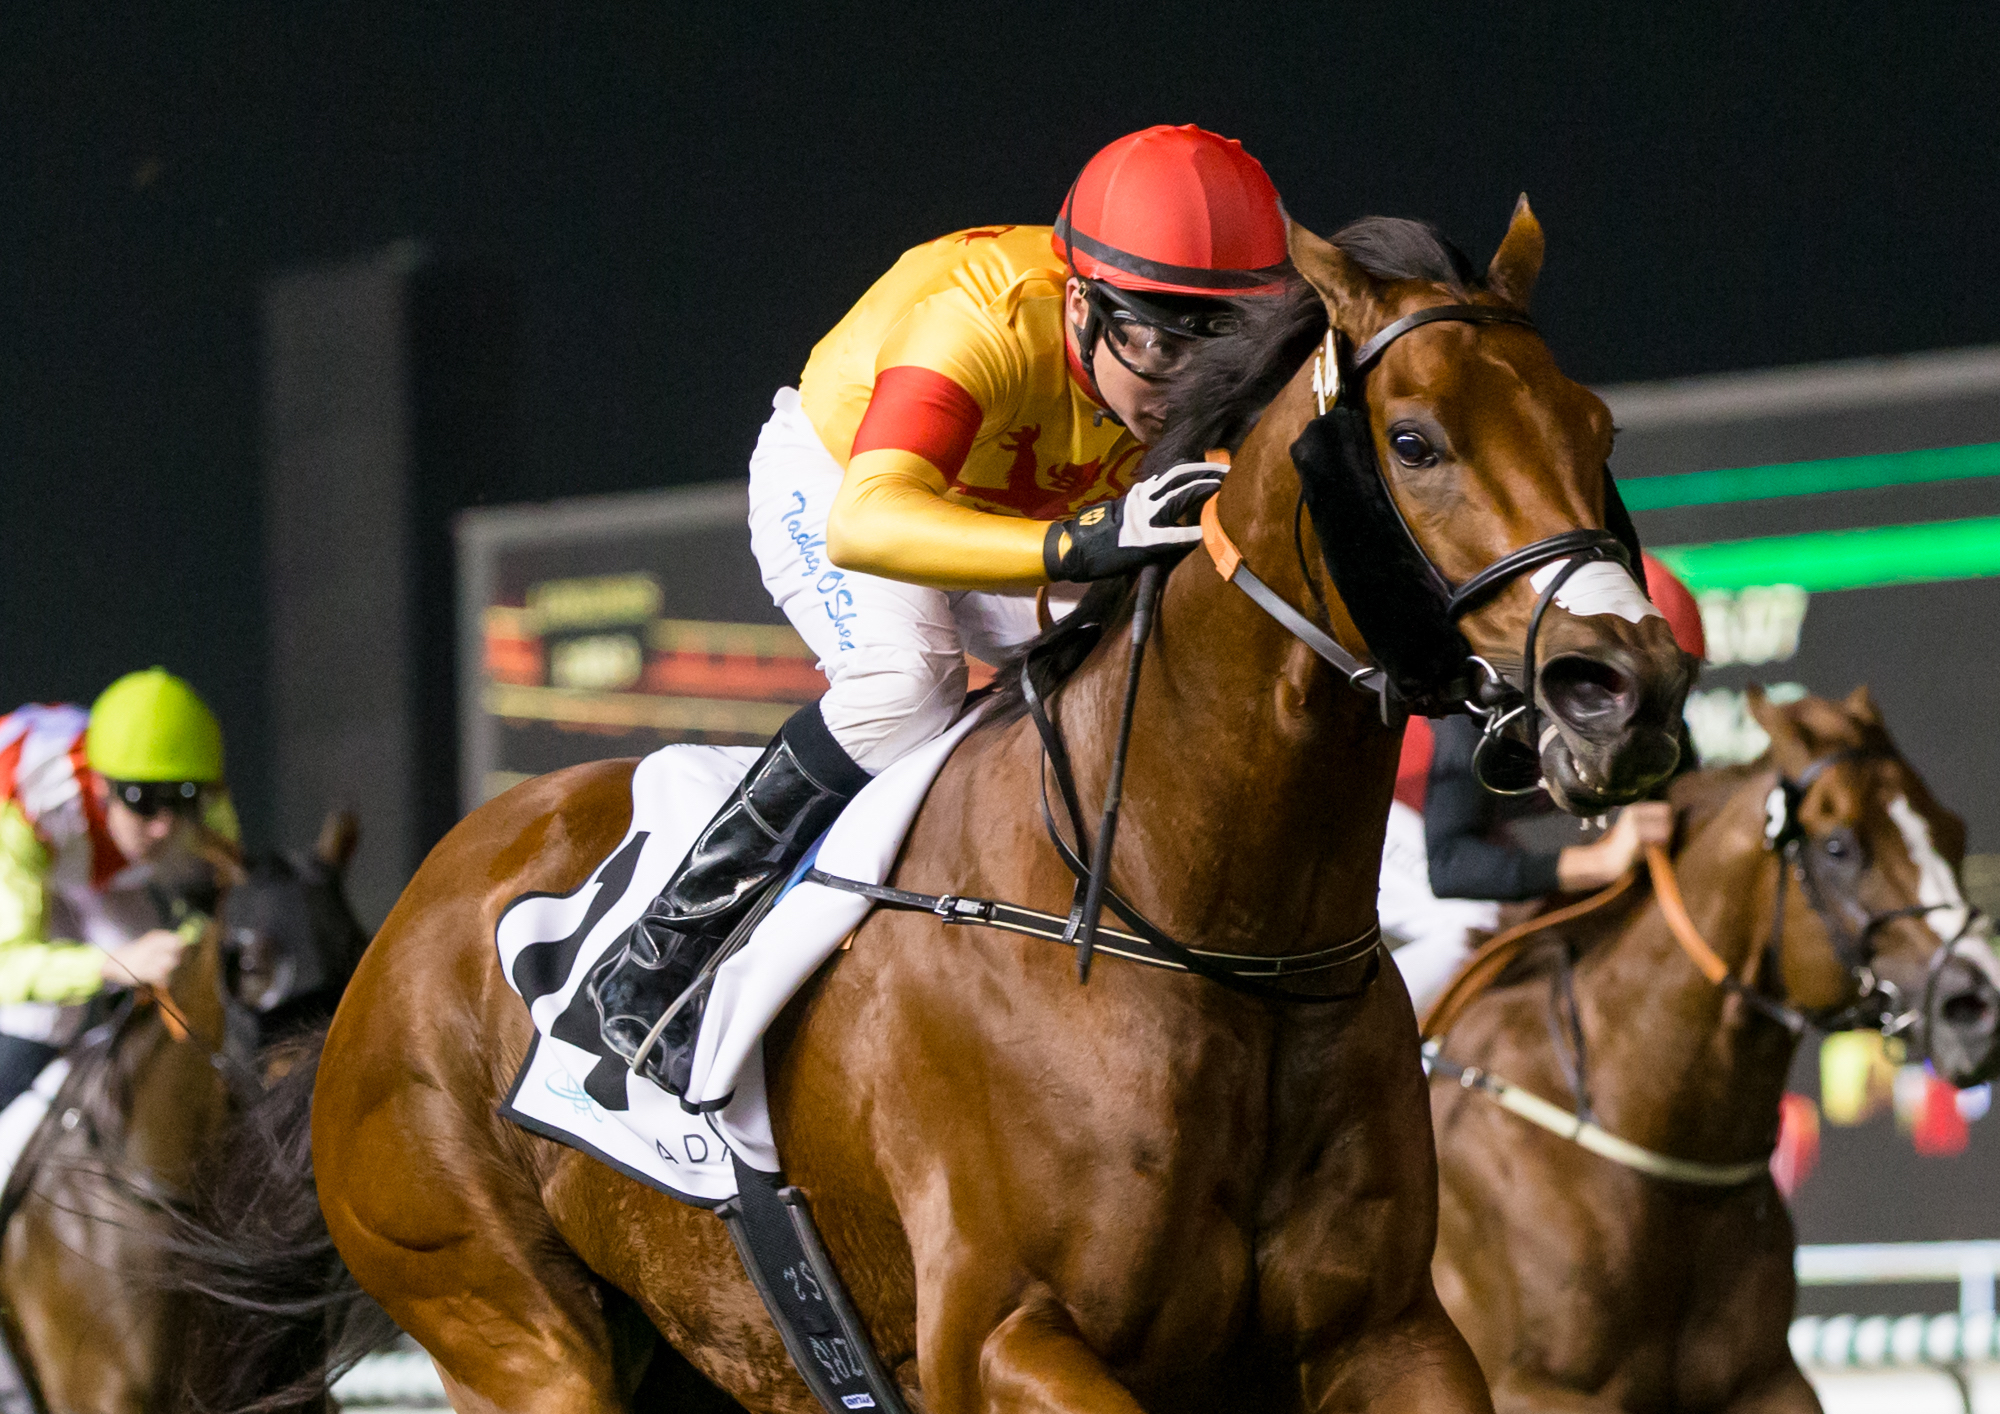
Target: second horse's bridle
x,y
1824,866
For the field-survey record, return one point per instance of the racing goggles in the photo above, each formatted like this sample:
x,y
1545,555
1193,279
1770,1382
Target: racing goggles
x,y
147,799
1155,337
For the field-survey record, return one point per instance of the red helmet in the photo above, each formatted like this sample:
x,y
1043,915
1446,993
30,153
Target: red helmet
x,y
1175,211
1672,599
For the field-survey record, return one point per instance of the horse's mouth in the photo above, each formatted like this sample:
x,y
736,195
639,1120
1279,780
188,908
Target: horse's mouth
x,y
1963,1025
1601,778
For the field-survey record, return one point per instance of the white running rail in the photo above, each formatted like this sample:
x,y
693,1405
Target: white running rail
x,y
405,1380
1971,1264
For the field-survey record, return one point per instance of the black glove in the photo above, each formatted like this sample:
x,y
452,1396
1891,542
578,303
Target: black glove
x,y
1147,523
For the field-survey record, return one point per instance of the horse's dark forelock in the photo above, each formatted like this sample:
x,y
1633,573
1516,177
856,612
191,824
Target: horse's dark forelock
x,y
1395,248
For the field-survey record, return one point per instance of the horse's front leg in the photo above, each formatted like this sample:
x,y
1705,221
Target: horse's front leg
x,y
1345,1267
1037,1360
1787,1391
1417,1363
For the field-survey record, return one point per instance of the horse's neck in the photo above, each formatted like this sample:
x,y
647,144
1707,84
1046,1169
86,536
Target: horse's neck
x,y
177,1096
1679,1063
1259,782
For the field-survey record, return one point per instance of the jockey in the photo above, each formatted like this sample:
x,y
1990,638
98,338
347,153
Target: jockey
x,y
101,818
969,432
1454,852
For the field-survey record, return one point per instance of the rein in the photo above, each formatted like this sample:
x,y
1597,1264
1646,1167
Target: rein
x,y
1337,449
1577,1126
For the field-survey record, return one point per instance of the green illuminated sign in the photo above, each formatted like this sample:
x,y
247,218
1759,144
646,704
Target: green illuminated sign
x,y
1863,558
1759,483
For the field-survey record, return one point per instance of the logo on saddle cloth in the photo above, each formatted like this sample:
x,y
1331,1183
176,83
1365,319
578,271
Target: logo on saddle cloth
x,y
1048,492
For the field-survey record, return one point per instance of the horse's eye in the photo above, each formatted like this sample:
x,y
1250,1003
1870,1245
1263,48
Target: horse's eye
x,y
1411,448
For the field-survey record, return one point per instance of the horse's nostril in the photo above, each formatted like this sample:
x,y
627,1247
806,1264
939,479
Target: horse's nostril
x,y
1967,1010
1589,693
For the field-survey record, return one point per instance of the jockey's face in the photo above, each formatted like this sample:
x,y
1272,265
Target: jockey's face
x,y
140,838
1140,405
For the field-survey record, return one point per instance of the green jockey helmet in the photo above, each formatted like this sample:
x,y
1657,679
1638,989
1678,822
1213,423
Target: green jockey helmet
x,y
151,726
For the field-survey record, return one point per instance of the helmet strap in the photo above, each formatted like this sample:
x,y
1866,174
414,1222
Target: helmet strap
x,y
1086,349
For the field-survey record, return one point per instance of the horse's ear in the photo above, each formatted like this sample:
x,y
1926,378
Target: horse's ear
x,y
339,833
1519,259
1348,290
1860,705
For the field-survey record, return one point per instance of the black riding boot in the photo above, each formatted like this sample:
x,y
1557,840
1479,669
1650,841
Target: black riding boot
x,y
785,802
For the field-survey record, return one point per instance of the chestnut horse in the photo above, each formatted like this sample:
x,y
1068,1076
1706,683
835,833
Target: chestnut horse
x,y
1147,1191
91,1312
1585,1284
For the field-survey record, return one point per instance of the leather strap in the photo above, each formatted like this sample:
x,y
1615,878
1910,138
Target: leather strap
x,y
1588,1134
1365,356
1033,923
1591,544
1673,908
1497,954
1229,563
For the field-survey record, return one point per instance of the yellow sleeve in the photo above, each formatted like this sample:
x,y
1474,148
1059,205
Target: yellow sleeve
x,y
33,967
891,517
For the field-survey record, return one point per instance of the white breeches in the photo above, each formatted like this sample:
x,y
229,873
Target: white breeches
x,y
893,653
1430,935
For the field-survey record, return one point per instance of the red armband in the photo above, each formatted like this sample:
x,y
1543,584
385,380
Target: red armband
x,y
919,410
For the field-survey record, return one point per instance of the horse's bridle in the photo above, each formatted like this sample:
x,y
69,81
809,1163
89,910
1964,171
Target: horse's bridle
x,y
1825,868
1406,609
1422,661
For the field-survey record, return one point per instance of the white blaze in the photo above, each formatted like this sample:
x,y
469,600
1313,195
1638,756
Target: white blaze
x,y
1937,886
1600,587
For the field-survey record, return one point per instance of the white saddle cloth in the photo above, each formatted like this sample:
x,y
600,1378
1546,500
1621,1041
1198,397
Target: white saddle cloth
x,y
573,1090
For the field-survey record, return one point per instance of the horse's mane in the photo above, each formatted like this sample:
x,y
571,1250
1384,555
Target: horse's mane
x,y
1215,401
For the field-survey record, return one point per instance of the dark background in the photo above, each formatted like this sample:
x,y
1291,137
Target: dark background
x,y
683,199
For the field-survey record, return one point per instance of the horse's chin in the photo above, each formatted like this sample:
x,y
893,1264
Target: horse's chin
x,y
1597,779
1962,1025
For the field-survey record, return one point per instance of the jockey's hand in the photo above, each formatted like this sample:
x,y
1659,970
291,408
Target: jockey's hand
x,y
1592,866
1152,521
148,960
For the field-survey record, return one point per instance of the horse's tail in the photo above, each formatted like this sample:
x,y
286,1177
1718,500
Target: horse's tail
x,y
278,1316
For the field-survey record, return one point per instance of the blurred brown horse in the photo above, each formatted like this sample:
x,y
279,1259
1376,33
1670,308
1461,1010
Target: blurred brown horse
x,y
1148,1191
86,1285
1588,1284
89,1320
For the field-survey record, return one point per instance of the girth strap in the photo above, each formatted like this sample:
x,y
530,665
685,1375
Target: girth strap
x,y
1228,968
